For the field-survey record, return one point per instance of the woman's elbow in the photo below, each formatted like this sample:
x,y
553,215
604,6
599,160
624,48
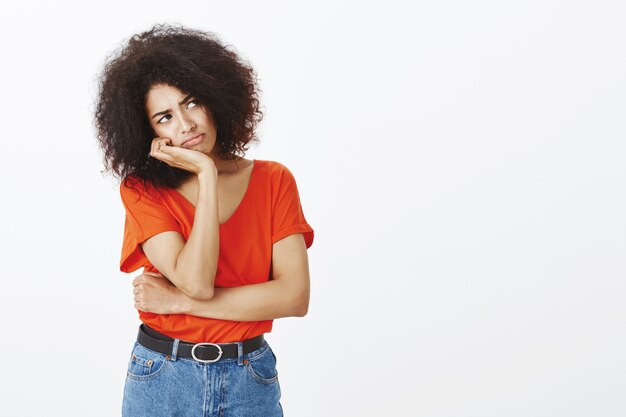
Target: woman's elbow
x,y
301,311
301,306
199,289
201,294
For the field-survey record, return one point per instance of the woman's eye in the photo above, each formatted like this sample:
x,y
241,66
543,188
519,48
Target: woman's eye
x,y
194,102
162,119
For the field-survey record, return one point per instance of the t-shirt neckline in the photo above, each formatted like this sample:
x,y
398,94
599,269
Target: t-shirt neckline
x,y
241,203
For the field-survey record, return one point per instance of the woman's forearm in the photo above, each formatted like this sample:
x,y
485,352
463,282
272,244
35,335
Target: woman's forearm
x,y
265,301
198,259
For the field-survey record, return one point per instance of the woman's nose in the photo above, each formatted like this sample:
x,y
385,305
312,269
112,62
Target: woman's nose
x,y
186,125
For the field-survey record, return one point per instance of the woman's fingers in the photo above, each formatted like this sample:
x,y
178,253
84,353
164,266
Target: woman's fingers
x,y
163,156
158,144
171,156
178,157
162,152
154,146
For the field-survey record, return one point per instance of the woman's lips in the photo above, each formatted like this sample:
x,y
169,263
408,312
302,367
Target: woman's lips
x,y
193,141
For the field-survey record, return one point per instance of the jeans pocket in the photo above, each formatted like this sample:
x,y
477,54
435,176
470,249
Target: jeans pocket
x,y
262,367
144,363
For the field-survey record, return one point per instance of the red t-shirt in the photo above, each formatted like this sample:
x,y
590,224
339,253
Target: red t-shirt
x,y
269,211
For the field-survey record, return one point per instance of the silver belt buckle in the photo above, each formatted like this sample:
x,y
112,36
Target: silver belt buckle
x,y
219,349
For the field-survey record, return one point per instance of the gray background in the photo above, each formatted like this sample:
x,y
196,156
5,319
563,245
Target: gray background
x,y
462,164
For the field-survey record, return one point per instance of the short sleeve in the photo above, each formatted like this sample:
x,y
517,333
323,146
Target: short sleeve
x,y
287,214
146,216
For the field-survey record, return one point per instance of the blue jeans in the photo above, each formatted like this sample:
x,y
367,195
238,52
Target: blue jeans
x,y
166,385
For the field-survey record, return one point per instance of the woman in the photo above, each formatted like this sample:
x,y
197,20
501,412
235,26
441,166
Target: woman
x,y
222,239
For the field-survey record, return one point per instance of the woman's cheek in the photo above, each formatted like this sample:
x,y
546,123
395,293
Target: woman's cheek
x,y
163,132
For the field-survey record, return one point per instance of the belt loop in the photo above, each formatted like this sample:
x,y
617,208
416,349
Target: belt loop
x,y
239,353
175,349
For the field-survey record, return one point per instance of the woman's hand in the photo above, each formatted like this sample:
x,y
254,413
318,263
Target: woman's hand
x,y
156,294
179,157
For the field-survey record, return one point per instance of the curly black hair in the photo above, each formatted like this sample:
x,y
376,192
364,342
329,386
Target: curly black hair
x,y
197,63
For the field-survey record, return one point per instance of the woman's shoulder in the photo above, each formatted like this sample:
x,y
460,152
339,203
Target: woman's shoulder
x,y
276,175
274,168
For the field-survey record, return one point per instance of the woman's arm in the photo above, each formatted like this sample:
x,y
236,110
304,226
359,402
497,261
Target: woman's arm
x,y
286,295
190,265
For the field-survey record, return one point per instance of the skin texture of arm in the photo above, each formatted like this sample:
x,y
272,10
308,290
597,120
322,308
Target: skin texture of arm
x,y
286,295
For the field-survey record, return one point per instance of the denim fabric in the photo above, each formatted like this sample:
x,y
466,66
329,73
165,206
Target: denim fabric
x,y
166,385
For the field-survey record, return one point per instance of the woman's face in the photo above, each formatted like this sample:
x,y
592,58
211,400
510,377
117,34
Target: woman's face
x,y
180,117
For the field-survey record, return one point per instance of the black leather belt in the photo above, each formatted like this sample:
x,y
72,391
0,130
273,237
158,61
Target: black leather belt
x,y
202,352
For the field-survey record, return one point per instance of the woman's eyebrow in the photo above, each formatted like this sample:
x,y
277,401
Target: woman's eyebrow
x,y
186,99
